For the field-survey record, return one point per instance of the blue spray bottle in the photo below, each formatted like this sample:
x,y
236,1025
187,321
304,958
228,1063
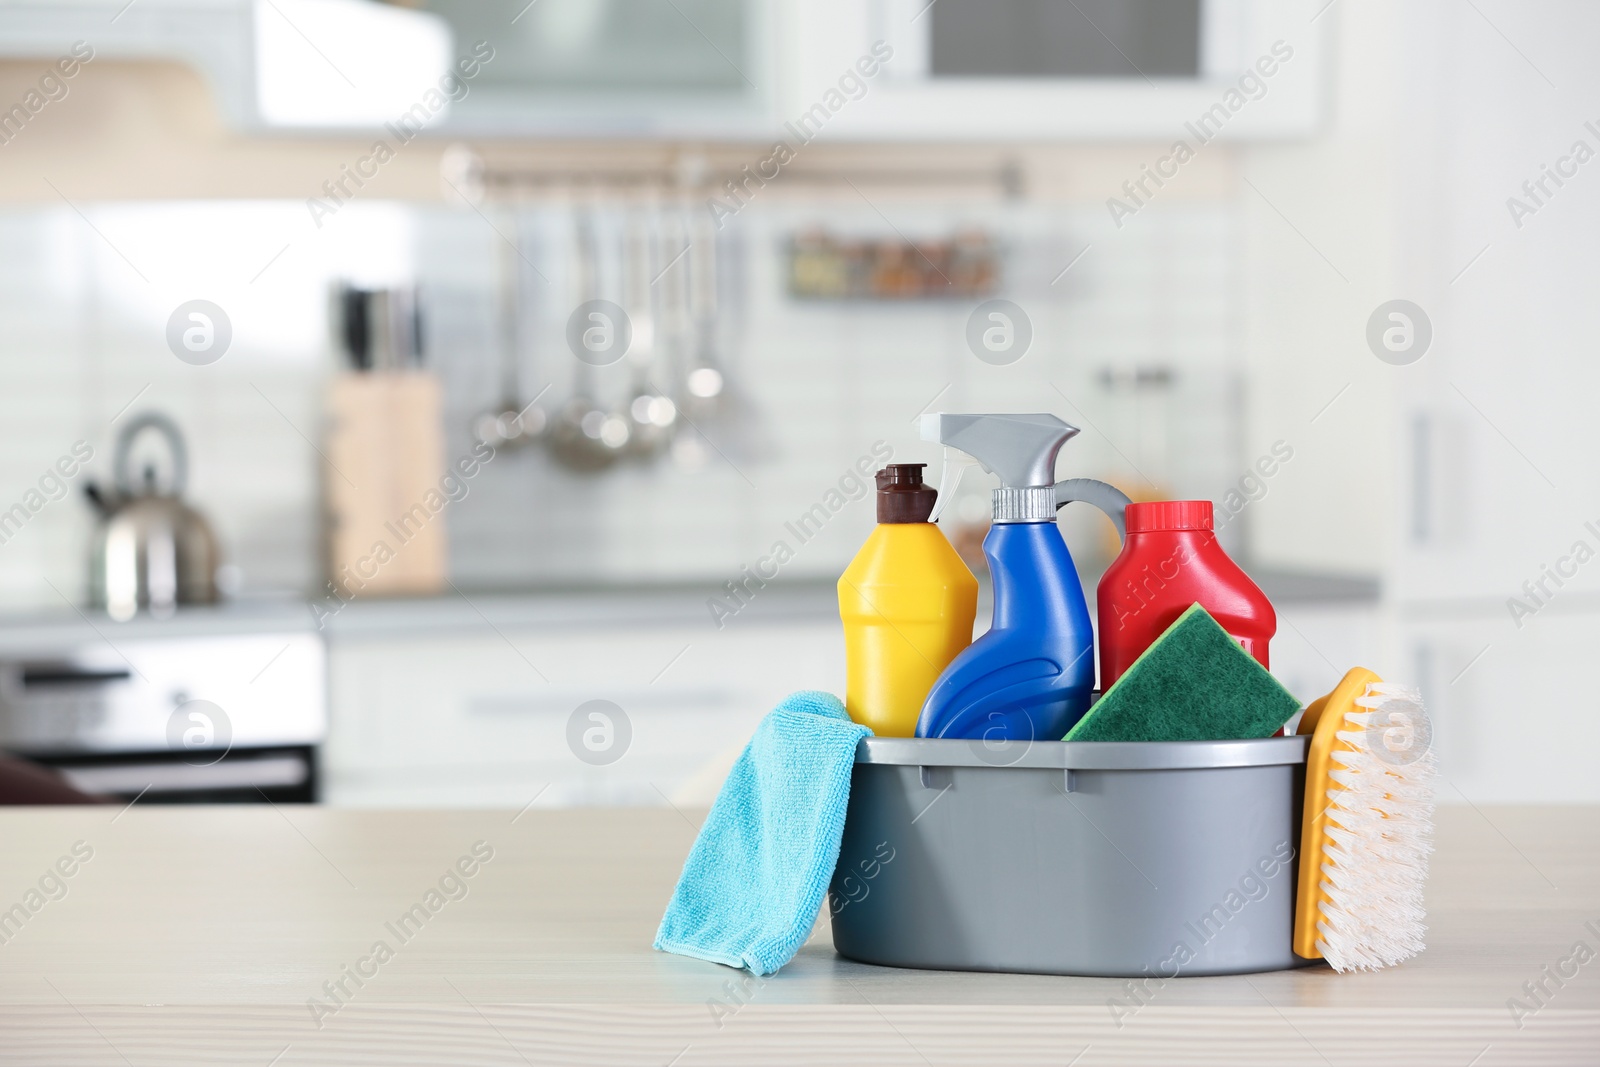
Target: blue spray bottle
x,y
1030,676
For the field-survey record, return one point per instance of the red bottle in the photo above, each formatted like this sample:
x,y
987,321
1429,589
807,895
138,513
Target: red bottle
x,y
1171,559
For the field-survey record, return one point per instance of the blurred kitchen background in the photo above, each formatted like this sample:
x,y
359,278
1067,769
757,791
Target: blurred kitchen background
x,y
401,326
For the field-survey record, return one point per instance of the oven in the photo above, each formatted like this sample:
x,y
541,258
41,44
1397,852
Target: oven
x,y
210,706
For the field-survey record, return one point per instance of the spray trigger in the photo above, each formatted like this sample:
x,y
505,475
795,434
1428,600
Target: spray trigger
x,y
956,463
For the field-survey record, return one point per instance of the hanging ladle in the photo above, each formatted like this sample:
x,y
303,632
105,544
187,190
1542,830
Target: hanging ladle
x,y
512,423
585,436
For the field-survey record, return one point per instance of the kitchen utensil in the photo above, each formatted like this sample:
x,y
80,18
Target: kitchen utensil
x,y
1146,860
727,422
676,337
385,451
652,415
705,381
151,550
708,403
1367,824
512,423
584,435
380,329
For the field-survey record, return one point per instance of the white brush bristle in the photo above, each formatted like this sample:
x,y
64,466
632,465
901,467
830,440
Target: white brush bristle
x,y
1379,833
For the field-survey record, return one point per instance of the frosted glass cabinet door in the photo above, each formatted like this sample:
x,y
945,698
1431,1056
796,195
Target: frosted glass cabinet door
x,y
610,67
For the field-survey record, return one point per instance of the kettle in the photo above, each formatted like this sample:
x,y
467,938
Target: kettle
x,y
151,550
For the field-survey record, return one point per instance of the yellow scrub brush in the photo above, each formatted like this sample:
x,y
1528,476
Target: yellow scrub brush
x,y
1367,828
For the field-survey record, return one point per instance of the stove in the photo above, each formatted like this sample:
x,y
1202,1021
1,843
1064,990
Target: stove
x,y
210,705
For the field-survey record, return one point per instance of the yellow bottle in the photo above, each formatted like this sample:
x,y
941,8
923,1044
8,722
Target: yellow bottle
x,y
907,603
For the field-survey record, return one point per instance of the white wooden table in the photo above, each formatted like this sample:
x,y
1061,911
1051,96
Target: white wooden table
x,y
198,936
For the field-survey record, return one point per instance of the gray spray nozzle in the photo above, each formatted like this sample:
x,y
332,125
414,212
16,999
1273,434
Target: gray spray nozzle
x,y
956,463
1021,450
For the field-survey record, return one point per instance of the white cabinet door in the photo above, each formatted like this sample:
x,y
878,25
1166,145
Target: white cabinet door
x,y
493,719
1495,419
1515,714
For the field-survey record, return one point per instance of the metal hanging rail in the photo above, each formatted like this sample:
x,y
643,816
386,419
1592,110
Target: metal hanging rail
x,y
471,175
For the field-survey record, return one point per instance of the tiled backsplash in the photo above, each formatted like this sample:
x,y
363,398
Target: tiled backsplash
x,y
88,289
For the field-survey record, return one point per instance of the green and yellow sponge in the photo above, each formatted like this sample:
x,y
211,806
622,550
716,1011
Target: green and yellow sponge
x,y
1194,683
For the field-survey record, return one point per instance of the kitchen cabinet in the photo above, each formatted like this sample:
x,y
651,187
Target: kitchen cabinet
x,y
463,711
1512,709
730,70
271,64
1498,503
623,68
998,70
1509,722
1497,479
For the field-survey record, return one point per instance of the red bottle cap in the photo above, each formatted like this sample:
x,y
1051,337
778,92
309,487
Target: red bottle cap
x,y
1169,515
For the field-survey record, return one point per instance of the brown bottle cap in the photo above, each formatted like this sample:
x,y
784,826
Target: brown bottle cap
x,y
902,494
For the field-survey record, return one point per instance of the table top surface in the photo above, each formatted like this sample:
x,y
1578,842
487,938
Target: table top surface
x,y
210,935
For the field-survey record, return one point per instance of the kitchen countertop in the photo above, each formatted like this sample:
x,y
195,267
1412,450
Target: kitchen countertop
x,y
809,600
591,607
198,936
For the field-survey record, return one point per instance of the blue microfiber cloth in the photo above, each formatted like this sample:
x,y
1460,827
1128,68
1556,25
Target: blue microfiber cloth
x,y
755,880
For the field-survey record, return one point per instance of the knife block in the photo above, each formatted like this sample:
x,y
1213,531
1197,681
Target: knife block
x,y
385,508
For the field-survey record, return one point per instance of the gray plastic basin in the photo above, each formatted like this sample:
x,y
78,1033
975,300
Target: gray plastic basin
x,y
1161,859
